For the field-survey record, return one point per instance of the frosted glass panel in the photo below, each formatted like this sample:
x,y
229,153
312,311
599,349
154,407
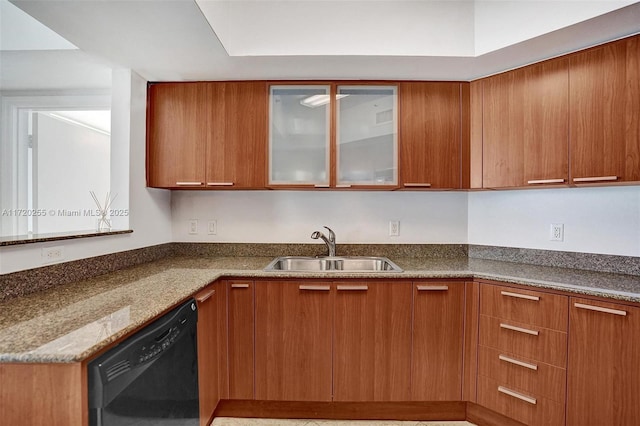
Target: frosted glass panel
x,y
367,135
299,135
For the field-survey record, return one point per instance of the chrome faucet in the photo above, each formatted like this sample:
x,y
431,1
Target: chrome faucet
x,y
330,242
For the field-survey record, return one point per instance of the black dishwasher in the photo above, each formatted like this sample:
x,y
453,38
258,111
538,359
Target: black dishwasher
x,y
151,378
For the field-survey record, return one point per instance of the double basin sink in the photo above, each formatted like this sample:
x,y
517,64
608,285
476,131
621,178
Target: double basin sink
x,y
332,264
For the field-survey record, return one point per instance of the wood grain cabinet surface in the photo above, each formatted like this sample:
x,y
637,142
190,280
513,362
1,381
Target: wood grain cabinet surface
x,y
241,347
525,126
604,364
207,135
430,135
604,119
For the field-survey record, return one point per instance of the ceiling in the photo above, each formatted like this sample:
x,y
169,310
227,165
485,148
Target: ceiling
x,y
183,40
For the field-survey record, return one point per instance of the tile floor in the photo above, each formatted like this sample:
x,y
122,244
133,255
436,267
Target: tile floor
x,y
230,421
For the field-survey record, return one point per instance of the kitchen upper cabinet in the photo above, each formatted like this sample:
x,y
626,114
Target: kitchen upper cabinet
x,y
438,336
207,135
525,126
212,339
604,119
293,340
430,135
372,354
241,338
603,368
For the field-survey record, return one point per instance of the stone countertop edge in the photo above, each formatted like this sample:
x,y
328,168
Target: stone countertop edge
x,y
151,289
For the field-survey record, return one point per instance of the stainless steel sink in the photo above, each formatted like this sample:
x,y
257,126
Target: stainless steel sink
x,y
333,264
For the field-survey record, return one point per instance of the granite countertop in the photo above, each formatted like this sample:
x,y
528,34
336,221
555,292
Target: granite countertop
x,y
72,322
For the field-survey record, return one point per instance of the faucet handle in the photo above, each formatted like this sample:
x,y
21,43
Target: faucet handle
x,y
332,235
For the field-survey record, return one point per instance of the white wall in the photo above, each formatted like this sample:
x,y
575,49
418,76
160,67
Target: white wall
x,y
150,208
596,220
291,216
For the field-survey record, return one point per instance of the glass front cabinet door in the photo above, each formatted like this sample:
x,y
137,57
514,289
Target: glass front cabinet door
x,y
333,135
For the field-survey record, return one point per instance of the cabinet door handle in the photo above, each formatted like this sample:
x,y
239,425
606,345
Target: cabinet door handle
x,y
519,296
219,183
595,179
206,296
518,395
417,185
321,185
343,186
188,183
519,329
239,285
600,309
352,287
543,181
310,287
518,362
433,287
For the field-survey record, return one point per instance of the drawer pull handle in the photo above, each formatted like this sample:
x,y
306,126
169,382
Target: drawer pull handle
x,y
595,179
314,287
518,395
206,296
518,362
239,285
219,183
543,181
519,329
343,186
353,287
600,309
433,287
321,185
520,296
188,183
417,185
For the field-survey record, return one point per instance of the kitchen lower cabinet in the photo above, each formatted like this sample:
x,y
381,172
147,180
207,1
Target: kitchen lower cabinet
x,y
372,353
604,368
212,339
241,338
438,336
293,340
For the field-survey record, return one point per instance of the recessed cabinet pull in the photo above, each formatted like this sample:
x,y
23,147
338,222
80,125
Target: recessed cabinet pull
x,y
239,285
352,287
206,296
595,179
343,186
543,181
433,287
321,185
517,362
310,287
219,183
519,296
600,309
518,395
417,185
519,329
188,183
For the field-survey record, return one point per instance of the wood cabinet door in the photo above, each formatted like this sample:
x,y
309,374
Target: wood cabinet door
x,y
293,341
525,126
603,367
237,153
438,336
241,335
372,353
212,358
430,135
604,119
178,121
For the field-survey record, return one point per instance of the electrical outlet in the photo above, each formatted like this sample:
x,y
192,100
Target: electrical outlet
x,y
557,232
52,254
193,226
394,228
213,227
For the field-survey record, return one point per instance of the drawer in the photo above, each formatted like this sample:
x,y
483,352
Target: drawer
x,y
529,409
536,343
529,307
523,374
